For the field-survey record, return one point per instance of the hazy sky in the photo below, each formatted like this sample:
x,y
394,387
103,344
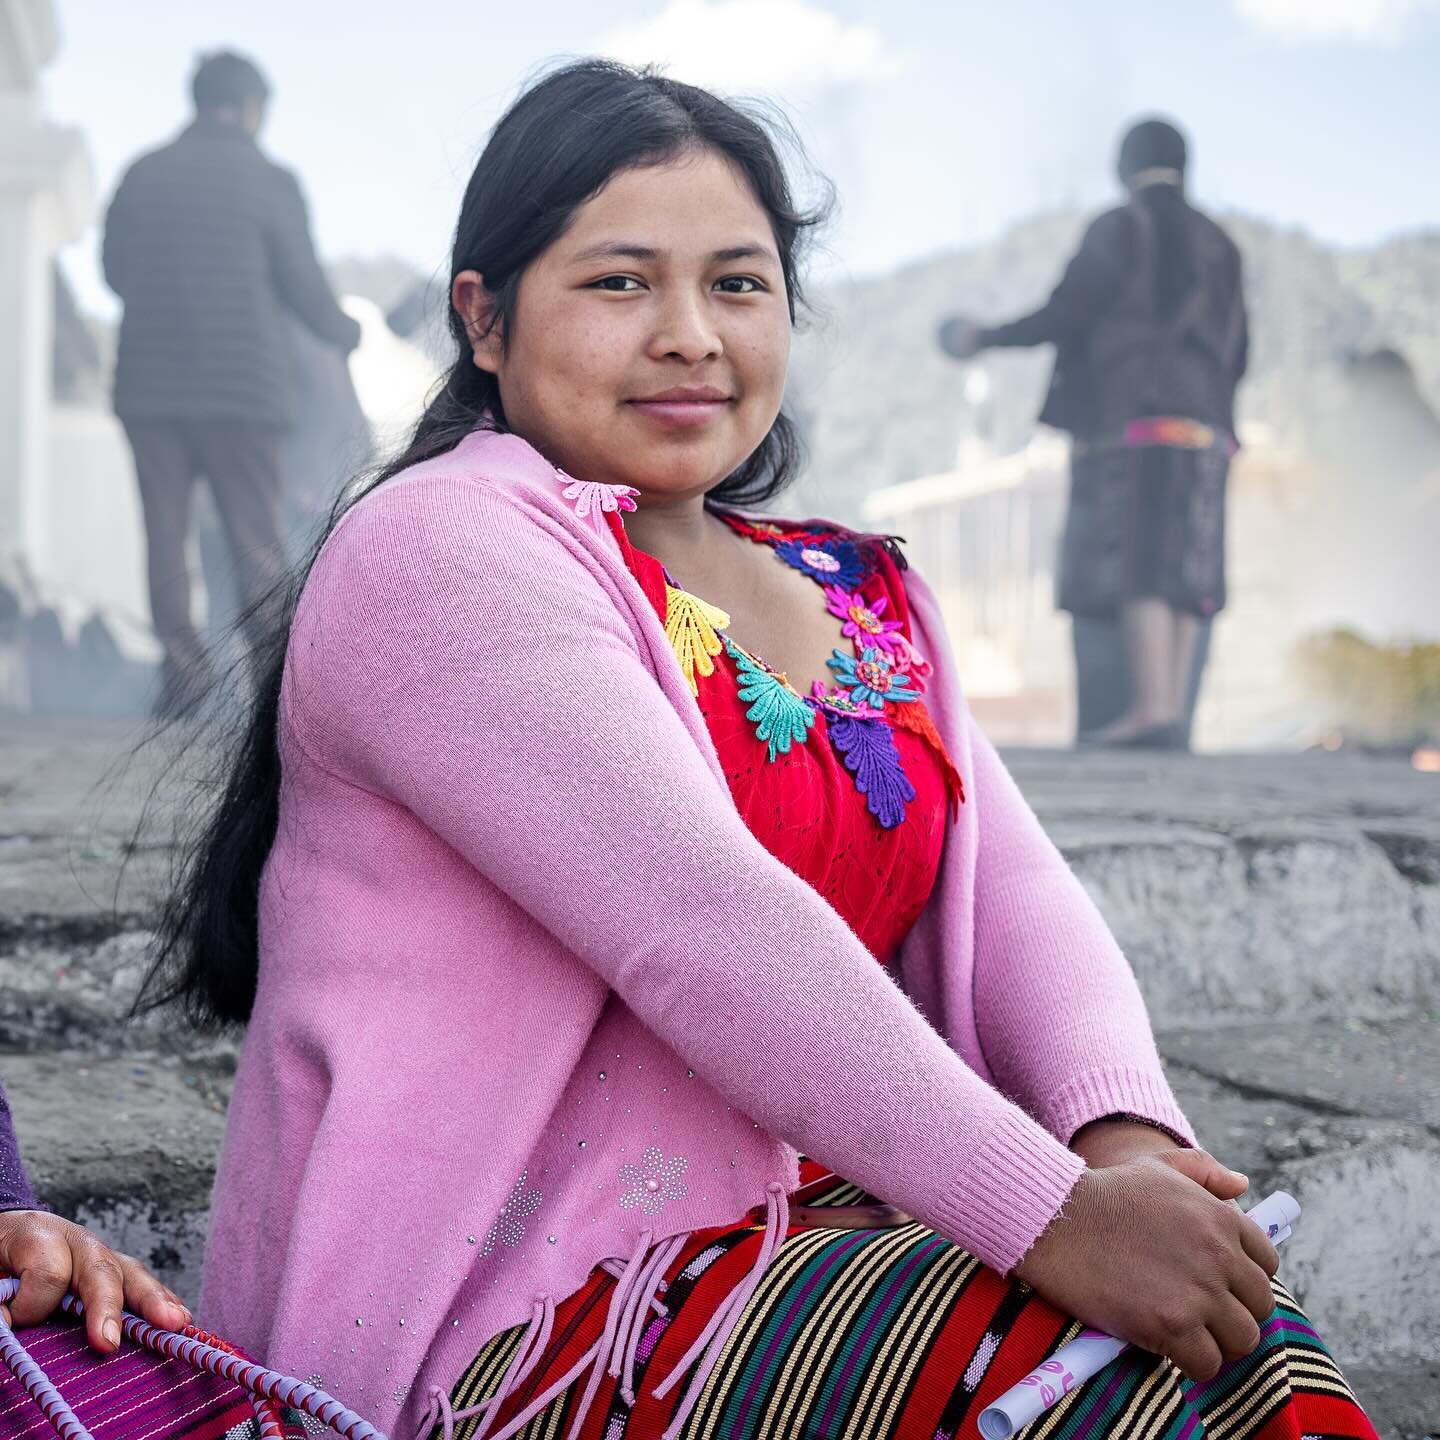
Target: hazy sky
x,y
940,121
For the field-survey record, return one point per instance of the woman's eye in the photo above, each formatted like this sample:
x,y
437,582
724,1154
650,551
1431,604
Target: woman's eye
x,y
739,285
618,284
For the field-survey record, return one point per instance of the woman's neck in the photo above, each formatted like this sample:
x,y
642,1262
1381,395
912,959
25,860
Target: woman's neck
x,y
675,532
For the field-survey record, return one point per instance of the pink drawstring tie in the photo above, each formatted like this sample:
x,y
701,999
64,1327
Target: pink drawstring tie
x,y
651,1281
527,1356
625,1287
722,1323
639,1281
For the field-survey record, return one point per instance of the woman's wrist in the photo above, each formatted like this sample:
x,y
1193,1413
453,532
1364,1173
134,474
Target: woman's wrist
x,y
1114,1139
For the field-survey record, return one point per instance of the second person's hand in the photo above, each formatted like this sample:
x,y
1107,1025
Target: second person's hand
x,y
51,1256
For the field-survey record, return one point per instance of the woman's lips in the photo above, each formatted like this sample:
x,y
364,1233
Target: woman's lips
x,y
682,408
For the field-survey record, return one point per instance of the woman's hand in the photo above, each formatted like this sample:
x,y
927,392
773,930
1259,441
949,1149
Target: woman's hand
x,y
51,1256
1147,1250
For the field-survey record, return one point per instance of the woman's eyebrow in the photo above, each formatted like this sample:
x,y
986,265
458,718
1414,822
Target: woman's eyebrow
x,y
632,250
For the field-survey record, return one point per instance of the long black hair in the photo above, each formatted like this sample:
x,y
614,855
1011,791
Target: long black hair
x,y
556,146
1156,144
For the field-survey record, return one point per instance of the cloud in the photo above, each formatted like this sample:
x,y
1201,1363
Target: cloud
x,y
771,45
1375,21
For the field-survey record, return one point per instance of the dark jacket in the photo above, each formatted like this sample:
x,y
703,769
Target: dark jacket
x,y
1148,319
206,242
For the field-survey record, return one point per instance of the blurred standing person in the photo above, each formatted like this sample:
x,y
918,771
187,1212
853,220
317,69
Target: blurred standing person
x,y
1151,342
208,245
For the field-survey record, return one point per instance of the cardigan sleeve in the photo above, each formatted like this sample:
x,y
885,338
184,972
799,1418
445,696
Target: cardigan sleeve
x,y
459,651
1061,1019
16,1192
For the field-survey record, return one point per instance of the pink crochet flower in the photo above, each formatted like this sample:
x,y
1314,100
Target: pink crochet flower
x,y
863,622
908,660
593,501
654,1182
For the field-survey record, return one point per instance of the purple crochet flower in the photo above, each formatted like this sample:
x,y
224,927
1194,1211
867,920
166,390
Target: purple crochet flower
x,y
868,749
593,501
863,621
654,1182
828,559
873,679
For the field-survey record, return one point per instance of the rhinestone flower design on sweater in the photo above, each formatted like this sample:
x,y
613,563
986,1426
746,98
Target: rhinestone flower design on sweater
x,y
654,1182
509,1227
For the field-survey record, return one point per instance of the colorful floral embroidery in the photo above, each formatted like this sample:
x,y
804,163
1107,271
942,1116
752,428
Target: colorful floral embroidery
x,y
593,501
509,1226
876,688
828,559
863,622
764,529
909,661
868,749
872,679
692,626
916,718
781,717
654,1182
839,702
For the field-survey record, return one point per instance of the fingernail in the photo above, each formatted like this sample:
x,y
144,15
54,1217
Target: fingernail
x,y
111,1331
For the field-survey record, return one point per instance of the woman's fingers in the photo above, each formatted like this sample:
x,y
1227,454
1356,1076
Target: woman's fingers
x,y
1195,1354
1259,1247
34,1249
99,1282
147,1297
52,1257
1234,1330
1205,1170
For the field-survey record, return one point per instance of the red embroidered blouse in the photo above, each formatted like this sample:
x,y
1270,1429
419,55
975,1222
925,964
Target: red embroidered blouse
x,y
875,865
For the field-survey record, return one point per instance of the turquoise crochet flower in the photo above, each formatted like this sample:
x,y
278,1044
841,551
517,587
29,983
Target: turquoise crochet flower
x,y
872,679
781,717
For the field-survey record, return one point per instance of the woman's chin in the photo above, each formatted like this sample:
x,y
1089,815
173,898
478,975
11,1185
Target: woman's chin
x,y
674,471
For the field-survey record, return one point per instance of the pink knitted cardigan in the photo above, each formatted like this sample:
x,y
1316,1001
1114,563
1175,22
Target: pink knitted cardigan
x,y
531,995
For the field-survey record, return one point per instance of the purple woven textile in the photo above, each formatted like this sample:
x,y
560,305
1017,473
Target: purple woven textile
x,y
131,1395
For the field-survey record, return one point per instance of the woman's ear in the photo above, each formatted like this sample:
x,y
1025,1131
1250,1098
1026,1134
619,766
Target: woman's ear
x,y
475,305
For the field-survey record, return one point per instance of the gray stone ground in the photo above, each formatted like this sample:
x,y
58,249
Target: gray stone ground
x,y
1282,913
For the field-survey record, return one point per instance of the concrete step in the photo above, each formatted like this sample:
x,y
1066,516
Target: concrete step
x,y
1249,887
1346,1118
1282,914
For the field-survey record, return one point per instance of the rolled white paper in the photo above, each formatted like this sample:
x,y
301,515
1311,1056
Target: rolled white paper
x,y
1091,1351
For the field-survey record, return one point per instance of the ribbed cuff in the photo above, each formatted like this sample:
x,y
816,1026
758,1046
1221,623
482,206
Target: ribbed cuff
x,y
1010,1192
1118,1090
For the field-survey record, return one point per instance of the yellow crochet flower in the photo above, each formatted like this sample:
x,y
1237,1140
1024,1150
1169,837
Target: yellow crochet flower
x,y
691,626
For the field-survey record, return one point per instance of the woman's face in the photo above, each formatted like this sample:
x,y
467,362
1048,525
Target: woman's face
x,y
648,344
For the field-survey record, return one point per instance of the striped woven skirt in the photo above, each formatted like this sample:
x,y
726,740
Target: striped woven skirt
x,y
881,1333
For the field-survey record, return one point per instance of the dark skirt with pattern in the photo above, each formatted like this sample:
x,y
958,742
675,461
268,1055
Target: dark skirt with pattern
x,y
1145,521
896,1334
